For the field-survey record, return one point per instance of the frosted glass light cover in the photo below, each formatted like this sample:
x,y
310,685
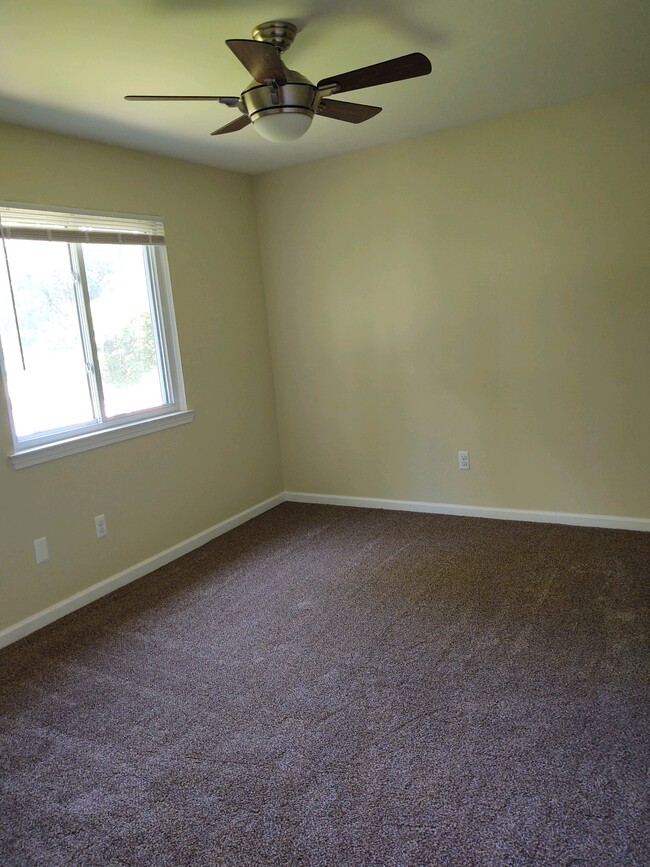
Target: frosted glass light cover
x,y
283,126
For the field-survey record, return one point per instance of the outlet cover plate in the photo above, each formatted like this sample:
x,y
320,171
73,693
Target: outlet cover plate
x,y
41,550
100,526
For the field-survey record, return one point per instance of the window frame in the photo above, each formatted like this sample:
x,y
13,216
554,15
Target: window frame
x,y
52,444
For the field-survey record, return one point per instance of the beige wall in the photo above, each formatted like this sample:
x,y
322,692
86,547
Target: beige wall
x,y
486,288
159,489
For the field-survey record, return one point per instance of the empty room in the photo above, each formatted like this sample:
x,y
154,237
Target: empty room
x,y
324,417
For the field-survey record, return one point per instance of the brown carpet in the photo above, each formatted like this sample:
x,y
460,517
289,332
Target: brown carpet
x,y
330,686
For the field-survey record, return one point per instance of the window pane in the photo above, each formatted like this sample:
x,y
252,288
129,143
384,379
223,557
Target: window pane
x,y
52,392
124,327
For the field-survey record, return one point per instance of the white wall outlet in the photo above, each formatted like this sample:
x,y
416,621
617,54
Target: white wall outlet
x,y
41,550
463,461
100,526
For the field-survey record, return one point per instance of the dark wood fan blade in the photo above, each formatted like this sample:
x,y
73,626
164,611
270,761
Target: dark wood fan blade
x,y
398,69
233,126
352,112
226,100
260,58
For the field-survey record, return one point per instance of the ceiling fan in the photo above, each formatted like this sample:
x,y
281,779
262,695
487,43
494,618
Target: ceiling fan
x,y
281,103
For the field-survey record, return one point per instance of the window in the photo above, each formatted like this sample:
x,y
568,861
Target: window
x,y
89,347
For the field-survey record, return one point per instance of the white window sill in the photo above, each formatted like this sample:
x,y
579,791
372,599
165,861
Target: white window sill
x,y
84,442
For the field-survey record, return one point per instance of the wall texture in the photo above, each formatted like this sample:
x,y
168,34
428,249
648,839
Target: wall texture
x,y
486,288
159,489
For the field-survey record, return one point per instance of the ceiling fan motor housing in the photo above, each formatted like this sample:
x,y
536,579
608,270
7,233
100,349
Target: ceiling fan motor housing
x,y
294,97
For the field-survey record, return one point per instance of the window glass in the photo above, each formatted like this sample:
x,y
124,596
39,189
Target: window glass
x,y
48,384
125,327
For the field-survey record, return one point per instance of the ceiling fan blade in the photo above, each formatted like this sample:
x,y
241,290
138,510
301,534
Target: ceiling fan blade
x,y
398,69
261,59
226,100
352,112
233,126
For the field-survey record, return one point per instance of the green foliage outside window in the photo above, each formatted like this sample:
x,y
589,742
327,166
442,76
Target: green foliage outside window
x,y
131,354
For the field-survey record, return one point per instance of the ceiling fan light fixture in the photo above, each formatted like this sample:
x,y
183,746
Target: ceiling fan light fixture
x,y
282,125
281,102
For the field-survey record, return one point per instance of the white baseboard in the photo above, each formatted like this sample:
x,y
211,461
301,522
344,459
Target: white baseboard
x,y
102,588
612,521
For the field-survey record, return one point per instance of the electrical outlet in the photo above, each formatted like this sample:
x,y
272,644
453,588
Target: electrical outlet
x,y
100,526
41,550
463,461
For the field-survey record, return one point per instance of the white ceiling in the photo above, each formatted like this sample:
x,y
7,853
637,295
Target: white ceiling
x,y
66,65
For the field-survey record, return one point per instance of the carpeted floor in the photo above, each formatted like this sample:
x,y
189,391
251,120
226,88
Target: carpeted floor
x,y
330,686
